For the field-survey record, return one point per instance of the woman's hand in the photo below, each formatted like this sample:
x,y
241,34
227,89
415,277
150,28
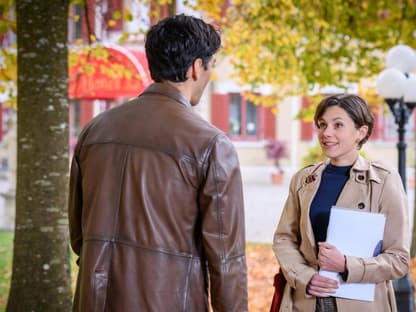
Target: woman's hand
x,y
321,286
330,258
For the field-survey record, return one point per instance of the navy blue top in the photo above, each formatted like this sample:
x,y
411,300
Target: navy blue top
x,y
332,181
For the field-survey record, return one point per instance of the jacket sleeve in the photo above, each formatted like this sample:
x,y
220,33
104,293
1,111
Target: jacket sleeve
x,y
223,227
287,241
75,196
75,206
393,261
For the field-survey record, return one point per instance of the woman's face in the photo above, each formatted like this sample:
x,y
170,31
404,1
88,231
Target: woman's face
x,y
339,137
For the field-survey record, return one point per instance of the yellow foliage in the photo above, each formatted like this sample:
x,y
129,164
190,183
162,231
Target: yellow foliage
x,y
92,38
213,8
11,102
289,45
79,41
293,45
76,18
367,90
79,58
307,113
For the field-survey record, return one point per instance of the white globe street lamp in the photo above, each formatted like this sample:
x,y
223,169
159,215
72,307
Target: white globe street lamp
x,y
401,57
397,85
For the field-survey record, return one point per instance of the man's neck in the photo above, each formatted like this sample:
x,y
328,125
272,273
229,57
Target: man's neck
x,y
183,87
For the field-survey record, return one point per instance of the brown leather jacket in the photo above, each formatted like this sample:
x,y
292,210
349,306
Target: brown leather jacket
x,y
156,210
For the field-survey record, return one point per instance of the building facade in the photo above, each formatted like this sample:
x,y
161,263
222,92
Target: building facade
x,y
248,125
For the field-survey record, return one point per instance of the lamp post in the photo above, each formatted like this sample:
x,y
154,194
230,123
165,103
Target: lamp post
x,y
397,85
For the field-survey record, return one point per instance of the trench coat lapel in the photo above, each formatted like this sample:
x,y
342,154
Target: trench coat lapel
x,y
306,194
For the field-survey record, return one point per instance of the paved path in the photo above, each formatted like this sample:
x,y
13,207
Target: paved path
x,y
263,202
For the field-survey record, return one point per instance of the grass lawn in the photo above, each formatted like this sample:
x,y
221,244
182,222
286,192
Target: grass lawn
x,y
6,250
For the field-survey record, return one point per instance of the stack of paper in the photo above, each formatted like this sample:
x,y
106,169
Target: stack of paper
x,y
359,234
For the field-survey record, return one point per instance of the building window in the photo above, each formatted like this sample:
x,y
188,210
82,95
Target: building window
x,y
307,128
243,117
251,119
75,118
385,128
235,115
75,24
240,119
390,128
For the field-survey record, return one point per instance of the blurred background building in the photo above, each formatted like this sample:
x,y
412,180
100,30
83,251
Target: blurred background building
x,y
250,126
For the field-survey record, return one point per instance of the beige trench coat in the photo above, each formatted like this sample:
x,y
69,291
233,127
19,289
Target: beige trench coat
x,y
371,187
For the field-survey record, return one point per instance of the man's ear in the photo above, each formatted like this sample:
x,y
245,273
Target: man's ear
x,y
196,68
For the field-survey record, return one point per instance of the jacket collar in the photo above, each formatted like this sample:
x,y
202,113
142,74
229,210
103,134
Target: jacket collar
x,y
168,91
363,168
362,171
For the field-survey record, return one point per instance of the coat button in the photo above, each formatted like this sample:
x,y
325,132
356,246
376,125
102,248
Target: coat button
x,y
361,205
360,177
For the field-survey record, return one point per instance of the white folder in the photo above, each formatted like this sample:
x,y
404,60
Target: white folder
x,y
355,233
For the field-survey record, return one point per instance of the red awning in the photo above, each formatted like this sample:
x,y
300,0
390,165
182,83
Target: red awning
x,y
121,73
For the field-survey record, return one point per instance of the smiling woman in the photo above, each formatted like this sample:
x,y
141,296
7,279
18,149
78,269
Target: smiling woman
x,y
339,136
343,127
344,123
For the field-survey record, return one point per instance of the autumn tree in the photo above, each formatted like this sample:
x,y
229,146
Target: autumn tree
x,y
296,45
41,273
299,45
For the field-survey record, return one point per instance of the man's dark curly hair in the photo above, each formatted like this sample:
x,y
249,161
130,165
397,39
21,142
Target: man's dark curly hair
x,y
173,44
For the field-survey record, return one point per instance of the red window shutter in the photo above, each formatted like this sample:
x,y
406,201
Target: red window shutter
x,y
223,12
269,124
1,121
87,111
306,127
378,125
113,6
220,113
161,10
88,22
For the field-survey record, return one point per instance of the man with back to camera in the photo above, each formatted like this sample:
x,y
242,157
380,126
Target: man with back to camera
x,y
155,206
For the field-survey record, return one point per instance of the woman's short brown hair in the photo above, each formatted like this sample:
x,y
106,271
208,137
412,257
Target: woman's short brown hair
x,y
355,106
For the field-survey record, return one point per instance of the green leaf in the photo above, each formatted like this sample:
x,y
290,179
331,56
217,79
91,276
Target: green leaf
x,y
80,2
117,15
3,27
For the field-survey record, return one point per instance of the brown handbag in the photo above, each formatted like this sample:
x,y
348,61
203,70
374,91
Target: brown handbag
x,y
279,286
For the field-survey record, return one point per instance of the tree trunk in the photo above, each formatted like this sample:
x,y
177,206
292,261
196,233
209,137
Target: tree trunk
x,y
41,270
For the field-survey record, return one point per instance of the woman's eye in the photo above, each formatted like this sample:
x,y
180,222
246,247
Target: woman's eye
x,y
321,125
338,125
